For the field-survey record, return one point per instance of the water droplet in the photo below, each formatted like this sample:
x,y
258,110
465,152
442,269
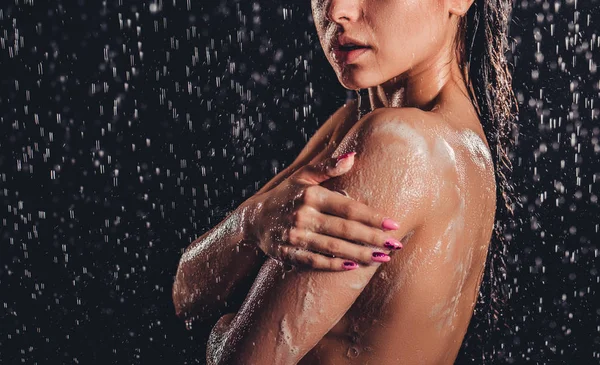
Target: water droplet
x,y
353,352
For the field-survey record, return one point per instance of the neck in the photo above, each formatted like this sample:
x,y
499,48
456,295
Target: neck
x,y
421,86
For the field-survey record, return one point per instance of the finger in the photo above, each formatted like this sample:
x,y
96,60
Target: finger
x,y
335,203
297,256
315,174
350,230
339,248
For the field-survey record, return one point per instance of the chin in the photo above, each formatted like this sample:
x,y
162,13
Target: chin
x,y
354,80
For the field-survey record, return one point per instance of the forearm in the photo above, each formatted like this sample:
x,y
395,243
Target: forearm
x,y
285,314
214,266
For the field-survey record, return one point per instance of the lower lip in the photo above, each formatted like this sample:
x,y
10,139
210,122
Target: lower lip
x,y
347,57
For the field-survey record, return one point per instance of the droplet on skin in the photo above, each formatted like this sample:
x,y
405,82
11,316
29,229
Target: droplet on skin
x,y
353,352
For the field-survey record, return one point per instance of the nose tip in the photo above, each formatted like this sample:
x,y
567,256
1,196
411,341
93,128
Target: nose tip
x,y
340,11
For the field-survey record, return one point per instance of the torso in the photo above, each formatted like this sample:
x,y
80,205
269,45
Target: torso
x,y
460,230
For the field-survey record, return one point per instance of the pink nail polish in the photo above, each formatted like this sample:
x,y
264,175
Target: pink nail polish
x,y
389,224
349,265
393,244
380,257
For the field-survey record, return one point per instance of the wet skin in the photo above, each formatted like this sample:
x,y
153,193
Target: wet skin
x,y
422,159
429,170
416,308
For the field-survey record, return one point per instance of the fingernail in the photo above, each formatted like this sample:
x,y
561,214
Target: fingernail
x,y
380,257
344,156
392,243
349,265
389,224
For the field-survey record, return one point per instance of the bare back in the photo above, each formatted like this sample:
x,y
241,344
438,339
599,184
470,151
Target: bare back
x,y
430,317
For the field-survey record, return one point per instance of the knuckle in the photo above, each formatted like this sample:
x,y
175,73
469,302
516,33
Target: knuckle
x,y
292,236
304,240
311,195
317,222
311,260
367,256
301,216
303,244
347,210
333,246
291,255
336,264
376,238
377,218
304,196
346,227
295,220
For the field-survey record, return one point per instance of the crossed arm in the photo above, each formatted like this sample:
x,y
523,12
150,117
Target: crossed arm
x,y
286,314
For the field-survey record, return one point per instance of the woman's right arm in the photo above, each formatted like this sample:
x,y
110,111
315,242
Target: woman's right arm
x,y
221,260
213,267
217,270
296,222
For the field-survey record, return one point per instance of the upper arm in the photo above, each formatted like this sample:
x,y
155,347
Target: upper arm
x,y
287,313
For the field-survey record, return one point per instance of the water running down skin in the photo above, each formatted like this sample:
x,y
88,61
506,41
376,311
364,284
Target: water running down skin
x,y
423,160
414,309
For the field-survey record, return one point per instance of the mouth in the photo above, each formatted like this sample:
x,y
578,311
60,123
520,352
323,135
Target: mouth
x,y
348,54
346,51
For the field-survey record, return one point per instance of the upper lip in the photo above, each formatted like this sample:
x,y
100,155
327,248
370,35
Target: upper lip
x,y
343,40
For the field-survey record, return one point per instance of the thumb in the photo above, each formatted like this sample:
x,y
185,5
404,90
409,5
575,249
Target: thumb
x,y
317,173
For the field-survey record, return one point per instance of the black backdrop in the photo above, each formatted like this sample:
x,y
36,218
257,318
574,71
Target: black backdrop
x,y
131,127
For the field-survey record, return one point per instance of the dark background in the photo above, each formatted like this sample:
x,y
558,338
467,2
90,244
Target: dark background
x,y
129,128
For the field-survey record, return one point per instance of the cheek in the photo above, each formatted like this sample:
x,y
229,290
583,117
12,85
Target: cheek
x,y
407,29
398,43
396,27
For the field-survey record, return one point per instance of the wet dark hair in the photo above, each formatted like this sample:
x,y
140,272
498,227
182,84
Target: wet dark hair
x,y
482,40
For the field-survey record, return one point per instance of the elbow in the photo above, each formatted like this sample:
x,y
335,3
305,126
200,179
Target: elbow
x,y
178,296
178,303
187,306
182,306
180,310
188,296
186,303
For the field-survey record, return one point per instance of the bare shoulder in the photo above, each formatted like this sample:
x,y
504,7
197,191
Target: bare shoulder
x,y
444,141
393,162
439,174
449,159
410,126
405,138
454,164
425,142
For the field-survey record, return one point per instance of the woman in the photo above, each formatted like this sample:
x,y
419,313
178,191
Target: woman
x,y
415,172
